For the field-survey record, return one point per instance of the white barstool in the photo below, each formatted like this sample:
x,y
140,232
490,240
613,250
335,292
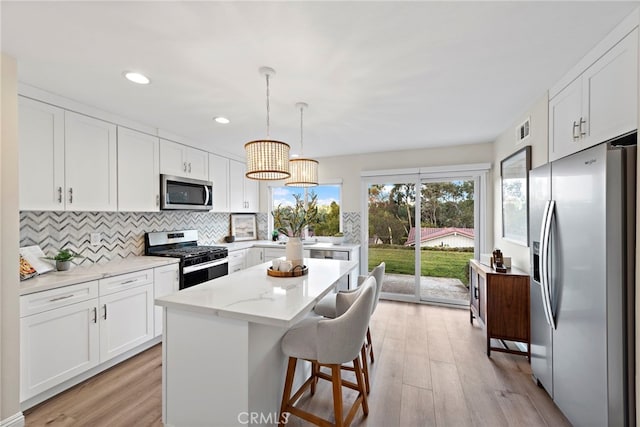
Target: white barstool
x,y
327,307
330,343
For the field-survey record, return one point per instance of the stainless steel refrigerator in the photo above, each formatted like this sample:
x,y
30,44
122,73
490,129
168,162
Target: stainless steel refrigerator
x,y
582,243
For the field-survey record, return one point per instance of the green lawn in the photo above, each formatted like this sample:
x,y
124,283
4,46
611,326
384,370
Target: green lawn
x,y
434,263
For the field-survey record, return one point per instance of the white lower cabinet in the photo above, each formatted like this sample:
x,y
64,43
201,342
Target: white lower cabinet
x,y
126,320
57,345
255,256
66,331
237,260
166,281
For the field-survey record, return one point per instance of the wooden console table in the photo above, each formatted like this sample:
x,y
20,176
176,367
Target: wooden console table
x,y
501,302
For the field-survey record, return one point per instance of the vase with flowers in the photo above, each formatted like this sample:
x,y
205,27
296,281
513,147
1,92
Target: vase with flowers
x,y
292,221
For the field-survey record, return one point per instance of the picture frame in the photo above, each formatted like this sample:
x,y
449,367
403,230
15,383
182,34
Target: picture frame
x,y
514,175
243,227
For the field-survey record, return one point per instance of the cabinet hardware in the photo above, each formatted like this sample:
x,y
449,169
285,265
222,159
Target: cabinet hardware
x,y
582,122
157,200
129,281
95,314
475,293
70,195
184,167
104,306
189,167
576,126
61,298
59,194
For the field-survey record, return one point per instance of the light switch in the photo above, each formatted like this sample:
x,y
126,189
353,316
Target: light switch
x,y
95,239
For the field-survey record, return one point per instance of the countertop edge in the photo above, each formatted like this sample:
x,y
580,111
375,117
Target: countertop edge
x,y
80,274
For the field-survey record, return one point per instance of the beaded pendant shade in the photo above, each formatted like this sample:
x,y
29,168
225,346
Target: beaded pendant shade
x,y
267,159
304,172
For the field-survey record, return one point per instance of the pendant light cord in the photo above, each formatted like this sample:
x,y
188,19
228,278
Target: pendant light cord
x,y
301,144
267,76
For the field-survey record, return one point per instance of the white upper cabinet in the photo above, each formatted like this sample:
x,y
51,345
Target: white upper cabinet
x,y
90,164
138,171
219,175
67,160
181,160
243,192
41,155
610,92
600,104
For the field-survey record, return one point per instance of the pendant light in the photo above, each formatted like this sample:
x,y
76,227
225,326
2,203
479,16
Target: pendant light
x,y
304,172
267,159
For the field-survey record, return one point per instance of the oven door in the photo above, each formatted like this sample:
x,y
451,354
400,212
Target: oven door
x,y
196,274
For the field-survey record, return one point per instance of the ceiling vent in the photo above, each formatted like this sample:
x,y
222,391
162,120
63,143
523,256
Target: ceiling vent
x,y
523,131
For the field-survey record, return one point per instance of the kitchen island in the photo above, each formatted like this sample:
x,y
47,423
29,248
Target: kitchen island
x,y
222,362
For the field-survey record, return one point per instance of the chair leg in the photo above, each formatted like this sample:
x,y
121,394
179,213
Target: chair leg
x,y
315,367
365,368
286,394
336,379
370,344
361,385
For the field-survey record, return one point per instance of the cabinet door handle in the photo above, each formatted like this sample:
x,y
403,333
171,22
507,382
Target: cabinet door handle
x,y
189,167
157,200
576,127
70,195
104,306
475,293
184,167
95,314
61,298
59,194
582,122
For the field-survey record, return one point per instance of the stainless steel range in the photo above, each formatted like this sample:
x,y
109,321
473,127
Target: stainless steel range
x,y
198,264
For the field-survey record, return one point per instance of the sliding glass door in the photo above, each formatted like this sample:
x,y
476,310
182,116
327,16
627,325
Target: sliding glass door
x,y
425,230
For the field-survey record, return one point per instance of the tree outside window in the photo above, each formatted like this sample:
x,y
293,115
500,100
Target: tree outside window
x,y
328,205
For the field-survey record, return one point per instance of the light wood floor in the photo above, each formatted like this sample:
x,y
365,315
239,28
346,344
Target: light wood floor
x,y
430,370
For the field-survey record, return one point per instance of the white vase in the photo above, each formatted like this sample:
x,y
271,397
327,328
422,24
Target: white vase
x,y
294,251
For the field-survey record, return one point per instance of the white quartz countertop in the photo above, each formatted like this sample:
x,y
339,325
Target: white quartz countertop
x,y
253,296
236,246
80,274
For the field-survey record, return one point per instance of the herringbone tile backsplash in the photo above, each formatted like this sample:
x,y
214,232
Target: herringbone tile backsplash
x,y
122,233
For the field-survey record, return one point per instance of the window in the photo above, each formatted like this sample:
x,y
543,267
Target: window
x,y
329,201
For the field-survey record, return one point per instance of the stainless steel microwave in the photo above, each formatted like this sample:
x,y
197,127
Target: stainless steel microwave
x,y
178,193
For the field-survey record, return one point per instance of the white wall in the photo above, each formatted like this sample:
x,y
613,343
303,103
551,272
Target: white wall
x,y
348,168
504,146
9,236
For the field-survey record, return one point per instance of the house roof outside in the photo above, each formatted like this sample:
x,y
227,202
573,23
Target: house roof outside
x,y
430,233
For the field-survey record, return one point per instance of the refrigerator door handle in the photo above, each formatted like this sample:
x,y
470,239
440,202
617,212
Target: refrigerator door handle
x,y
544,270
541,261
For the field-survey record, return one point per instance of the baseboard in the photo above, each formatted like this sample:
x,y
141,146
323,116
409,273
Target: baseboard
x,y
16,420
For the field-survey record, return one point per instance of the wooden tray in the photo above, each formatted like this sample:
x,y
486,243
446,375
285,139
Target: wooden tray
x,y
297,271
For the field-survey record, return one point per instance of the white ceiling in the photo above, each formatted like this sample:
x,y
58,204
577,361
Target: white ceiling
x,y
378,76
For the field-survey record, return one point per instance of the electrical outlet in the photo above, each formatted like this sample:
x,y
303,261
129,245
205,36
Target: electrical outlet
x,y
95,239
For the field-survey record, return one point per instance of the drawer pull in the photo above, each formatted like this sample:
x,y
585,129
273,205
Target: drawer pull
x,y
61,298
129,281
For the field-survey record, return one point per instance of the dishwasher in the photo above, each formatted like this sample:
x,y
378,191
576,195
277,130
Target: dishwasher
x,y
343,284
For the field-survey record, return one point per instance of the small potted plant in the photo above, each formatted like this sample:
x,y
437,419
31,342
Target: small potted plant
x,y
63,259
337,238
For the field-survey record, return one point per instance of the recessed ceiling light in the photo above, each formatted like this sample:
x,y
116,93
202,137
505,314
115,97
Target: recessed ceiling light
x,y
136,77
221,120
